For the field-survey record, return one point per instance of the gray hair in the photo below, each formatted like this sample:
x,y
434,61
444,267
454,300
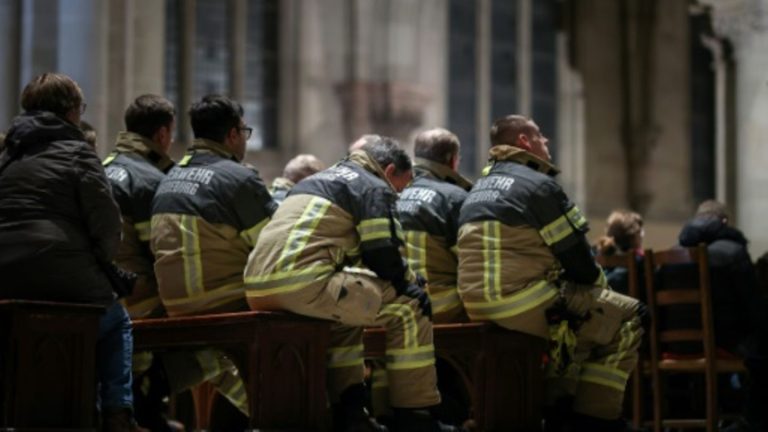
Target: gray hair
x,y
301,166
438,145
385,151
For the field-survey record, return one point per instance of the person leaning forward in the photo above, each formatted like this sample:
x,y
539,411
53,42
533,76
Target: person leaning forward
x,y
331,251
429,212
525,264
206,216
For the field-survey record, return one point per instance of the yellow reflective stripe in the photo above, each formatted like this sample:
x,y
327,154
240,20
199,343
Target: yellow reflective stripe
x,y
410,358
399,230
251,234
216,292
108,160
576,217
346,356
519,302
556,231
605,376
455,250
628,334
486,169
233,389
185,160
209,363
137,310
190,251
492,260
301,231
602,281
379,378
374,229
143,230
410,327
416,248
445,300
284,282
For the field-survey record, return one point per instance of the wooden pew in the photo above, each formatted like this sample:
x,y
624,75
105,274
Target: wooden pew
x,y
47,365
280,356
501,369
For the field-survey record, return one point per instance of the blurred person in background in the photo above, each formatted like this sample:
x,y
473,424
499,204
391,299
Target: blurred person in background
x,y
623,234
298,168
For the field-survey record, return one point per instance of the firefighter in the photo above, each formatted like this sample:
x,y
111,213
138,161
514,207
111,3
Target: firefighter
x,y
331,251
429,213
136,166
206,216
525,264
301,166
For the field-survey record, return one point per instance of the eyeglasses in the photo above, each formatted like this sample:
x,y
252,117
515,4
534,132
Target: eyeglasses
x,y
82,107
247,131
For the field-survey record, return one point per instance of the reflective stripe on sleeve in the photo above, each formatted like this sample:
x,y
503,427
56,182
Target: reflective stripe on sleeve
x,y
345,356
605,376
301,231
416,248
374,229
492,260
410,358
556,231
193,265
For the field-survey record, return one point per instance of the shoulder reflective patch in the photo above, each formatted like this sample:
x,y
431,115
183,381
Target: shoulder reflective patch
x,y
108,160
185,160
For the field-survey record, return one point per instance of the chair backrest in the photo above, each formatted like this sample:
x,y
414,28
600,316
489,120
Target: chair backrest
x,y
675,277
628,261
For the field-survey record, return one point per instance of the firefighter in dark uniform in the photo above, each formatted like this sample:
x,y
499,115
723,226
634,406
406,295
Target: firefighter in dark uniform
x,y
429,213
525,264
331,251
206,216
136,166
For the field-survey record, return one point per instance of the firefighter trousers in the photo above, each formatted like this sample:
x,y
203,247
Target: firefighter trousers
x,y
592,362
355,299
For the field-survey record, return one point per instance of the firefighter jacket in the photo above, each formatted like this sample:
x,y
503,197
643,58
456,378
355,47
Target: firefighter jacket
x,y
343,216
206,216
429,213
134,170
280,188
519,236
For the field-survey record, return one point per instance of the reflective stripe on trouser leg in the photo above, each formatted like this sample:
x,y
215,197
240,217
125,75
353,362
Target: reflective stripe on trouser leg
x,y
604,375
231,385
345,359
380,388
409,353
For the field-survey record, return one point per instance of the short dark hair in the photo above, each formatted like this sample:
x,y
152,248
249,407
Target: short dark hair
x,y
385,151
213,116
713,208
148,113
438,145
506,129
52,92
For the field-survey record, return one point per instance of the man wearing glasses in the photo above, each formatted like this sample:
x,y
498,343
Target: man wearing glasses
x,y
206,216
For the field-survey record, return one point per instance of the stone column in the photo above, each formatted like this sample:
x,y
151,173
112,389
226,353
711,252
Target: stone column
x,y
745,24
10,56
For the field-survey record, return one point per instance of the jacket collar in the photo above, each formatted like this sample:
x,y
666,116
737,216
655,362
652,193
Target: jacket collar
x,y
505,152
129,142
206,145
441,172
363,159
282,183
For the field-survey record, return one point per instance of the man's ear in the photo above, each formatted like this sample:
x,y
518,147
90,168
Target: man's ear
x,y
389,170
523,142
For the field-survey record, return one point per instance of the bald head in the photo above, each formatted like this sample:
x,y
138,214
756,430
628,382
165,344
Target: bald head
x,y
301,166
437,145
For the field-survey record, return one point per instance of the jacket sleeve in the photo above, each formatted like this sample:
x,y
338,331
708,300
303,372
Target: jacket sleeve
x,y
254,208
381,237
563,228
98,208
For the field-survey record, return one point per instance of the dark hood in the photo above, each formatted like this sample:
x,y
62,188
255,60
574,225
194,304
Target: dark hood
x,y
39,127
709,229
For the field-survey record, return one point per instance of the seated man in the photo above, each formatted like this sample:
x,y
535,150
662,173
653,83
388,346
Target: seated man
x,y
738,308
206,216
303,165
429,212
525,264
331,251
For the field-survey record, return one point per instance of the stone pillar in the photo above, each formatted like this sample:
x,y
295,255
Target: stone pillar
x,y
745,24
483,80
10,57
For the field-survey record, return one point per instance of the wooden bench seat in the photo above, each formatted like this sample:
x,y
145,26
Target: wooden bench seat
x,y
280,356
47,365
501,370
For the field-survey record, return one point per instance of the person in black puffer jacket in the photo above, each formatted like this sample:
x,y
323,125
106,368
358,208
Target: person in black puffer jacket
x,y
59,225
738,308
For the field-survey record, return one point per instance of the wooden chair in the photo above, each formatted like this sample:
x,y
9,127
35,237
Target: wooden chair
x,y
629,261
675,277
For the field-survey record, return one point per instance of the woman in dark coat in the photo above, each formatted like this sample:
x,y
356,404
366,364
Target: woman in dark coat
x,y
59,224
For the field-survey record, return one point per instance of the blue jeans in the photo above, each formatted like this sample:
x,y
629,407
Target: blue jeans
x,y
114,350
